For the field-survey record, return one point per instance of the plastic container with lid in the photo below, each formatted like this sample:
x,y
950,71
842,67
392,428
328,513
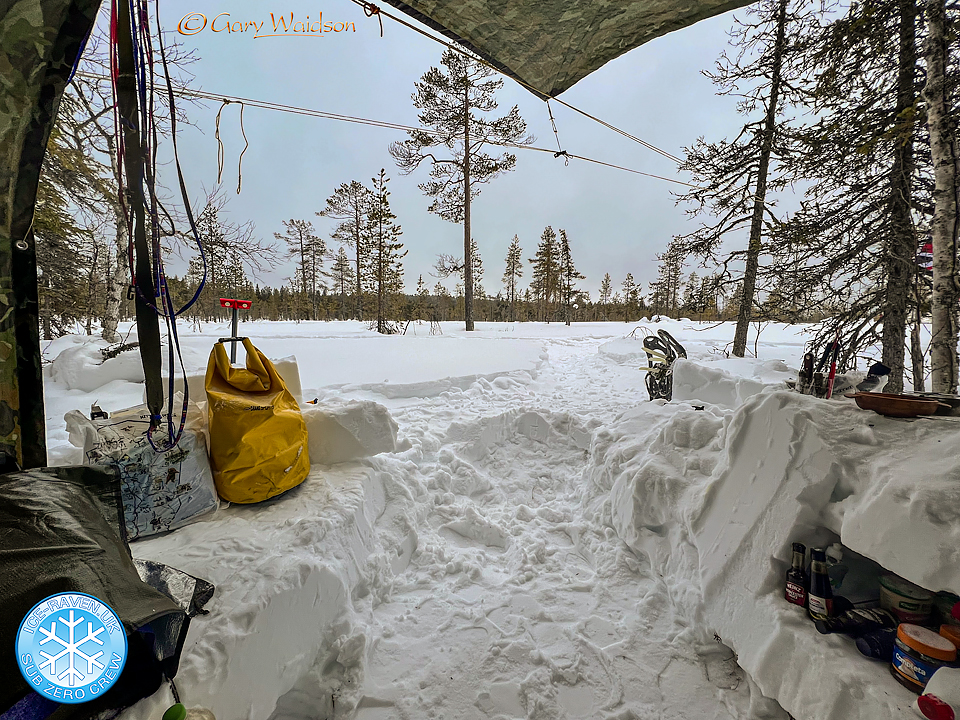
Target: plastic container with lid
x,y
941,698
909,602
917,654
951,633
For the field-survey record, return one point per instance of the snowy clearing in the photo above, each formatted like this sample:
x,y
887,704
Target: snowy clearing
x,y
539,540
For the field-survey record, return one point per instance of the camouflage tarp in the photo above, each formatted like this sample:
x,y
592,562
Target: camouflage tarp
x,y
551,44
39,42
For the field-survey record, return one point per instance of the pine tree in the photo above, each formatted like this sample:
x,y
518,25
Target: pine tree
x,y
665,290
350,205
734,178
630,299
606,292
476,262
443,300
450,103
423,298
386,268
568,275
512,275
67,225
866,159
545,271
343,278
309,250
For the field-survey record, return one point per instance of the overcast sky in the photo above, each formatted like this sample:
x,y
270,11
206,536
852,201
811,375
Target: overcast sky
x,y
616,221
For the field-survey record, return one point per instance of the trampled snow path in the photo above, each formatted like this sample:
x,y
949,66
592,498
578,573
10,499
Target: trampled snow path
x,y
513,605
462,576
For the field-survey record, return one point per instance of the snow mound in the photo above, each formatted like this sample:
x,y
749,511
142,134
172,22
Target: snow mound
x,y
624,350
712,383
82,366
285,573
714,498
338,433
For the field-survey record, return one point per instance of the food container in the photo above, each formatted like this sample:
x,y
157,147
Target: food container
x,y
909,602
943,604
941,698
917,654
951,633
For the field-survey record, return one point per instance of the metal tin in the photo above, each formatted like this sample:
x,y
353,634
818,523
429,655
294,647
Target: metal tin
x,y
909,602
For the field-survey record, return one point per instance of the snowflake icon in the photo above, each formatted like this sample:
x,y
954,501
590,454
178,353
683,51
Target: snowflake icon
x,y
70,675
71,647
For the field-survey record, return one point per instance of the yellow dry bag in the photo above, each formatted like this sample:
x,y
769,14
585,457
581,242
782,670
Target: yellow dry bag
x,y
258,440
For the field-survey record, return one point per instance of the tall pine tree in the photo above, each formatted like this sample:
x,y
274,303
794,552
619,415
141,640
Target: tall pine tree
x,y
452,107
512,274
386,268
349,204
545,272
735,178
309,251
568,275
865,157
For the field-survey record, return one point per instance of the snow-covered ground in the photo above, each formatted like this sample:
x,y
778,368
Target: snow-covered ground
x,y
542,541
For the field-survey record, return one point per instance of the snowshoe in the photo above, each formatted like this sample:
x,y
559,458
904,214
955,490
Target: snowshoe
x,y
677,348
662,349
660,357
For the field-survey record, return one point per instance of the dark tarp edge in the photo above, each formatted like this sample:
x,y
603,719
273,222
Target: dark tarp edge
x,y
446,32
40,41
550,45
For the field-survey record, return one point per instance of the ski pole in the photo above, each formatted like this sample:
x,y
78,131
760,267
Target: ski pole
x,y
833,366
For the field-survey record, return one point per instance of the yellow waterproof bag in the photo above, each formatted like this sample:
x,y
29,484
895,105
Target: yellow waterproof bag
x,y
258,440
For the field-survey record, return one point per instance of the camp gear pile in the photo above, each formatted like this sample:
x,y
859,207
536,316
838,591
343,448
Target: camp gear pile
x,y
161,490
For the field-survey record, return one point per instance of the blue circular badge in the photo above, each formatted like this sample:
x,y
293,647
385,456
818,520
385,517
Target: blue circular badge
x,y
71,647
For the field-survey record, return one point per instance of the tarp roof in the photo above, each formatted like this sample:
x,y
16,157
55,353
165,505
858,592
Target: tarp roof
x,y
549,45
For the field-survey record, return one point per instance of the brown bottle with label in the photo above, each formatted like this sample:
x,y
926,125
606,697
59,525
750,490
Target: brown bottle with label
x,y
796,587
820,595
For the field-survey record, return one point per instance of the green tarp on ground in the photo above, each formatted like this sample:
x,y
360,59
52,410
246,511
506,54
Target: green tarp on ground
x,y
551,44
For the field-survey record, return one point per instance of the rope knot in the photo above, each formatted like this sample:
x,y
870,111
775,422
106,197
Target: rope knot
x,y
369,9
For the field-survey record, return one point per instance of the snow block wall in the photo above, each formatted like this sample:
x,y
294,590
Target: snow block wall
x,y
715,497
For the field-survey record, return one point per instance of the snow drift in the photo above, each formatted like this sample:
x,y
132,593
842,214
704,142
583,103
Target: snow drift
x,y
715,497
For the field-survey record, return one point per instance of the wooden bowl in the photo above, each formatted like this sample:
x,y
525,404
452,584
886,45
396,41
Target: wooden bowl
x,y
902,406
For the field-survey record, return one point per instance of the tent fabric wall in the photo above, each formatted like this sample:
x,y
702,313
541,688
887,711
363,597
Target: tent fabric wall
x,y
39,44
551,44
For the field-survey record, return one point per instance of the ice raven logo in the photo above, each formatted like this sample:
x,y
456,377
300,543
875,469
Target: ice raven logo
x,y
71,647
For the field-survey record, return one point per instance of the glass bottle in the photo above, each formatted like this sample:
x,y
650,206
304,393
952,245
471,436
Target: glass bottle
x,y
857,622
797,580
820,596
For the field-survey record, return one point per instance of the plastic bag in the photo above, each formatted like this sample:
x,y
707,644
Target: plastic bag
x,y
161,491
258,439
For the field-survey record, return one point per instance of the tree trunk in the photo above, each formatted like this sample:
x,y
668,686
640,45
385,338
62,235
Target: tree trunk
x,y
467,254
756,223
118,280
943,349
381,276
916,357
900,255
357,239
